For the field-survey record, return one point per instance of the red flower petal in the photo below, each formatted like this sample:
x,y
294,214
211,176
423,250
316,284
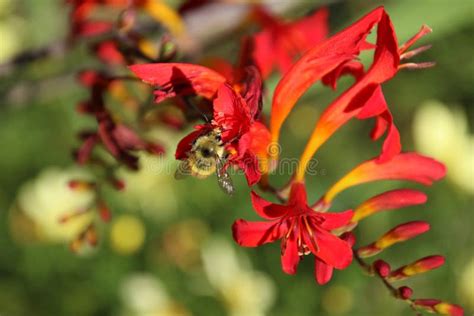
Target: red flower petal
x,y
405,166
279,42
253,234
179,79
263,54
322,272
267,209
185,145
336,220
353,68
316,63
290,257
389,200
331,249
231,113
249,164
252,91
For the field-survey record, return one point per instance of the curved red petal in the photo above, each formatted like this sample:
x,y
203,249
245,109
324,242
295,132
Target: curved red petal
x,y
322,272
185,145
290,257
267,209
254,234
331,249
316,63
231,113
179,79
336,220
405,166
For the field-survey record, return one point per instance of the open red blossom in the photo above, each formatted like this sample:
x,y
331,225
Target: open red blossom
x,y
301,230
236,109
279,43
329,60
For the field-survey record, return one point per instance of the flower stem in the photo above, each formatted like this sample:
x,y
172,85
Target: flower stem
x,y
366,267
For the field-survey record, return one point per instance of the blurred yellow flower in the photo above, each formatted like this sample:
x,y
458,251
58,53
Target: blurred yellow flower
x,y
127,234
337,300
243,290
143,294
48,198
442,132
183,241
10,28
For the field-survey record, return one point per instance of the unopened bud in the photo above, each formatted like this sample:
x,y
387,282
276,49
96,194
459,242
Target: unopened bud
x,y
404,292
420,266
438,306
381,267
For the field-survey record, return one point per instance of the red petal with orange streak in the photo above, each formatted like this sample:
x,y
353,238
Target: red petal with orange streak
x,y
318,62
404,166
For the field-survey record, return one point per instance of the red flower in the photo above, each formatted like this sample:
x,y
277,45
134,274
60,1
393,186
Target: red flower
x,y
301,230
236,109
279,43
330,59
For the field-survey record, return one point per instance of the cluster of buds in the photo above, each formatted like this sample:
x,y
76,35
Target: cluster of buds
x,y
235,134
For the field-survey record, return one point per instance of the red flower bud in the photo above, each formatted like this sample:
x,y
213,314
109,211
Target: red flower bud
x,y
438,306
420,266
381,267
349,237
398,234
404,292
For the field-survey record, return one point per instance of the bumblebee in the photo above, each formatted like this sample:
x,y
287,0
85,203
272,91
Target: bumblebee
x,y
206,156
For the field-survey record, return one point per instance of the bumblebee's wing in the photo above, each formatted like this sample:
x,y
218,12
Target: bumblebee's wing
x,y
182,171
223,178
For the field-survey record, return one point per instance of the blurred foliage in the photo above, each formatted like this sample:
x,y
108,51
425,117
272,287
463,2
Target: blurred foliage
x,y
37,130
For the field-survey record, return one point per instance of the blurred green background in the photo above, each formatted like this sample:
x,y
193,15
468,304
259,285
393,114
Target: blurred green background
x,y
168,249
